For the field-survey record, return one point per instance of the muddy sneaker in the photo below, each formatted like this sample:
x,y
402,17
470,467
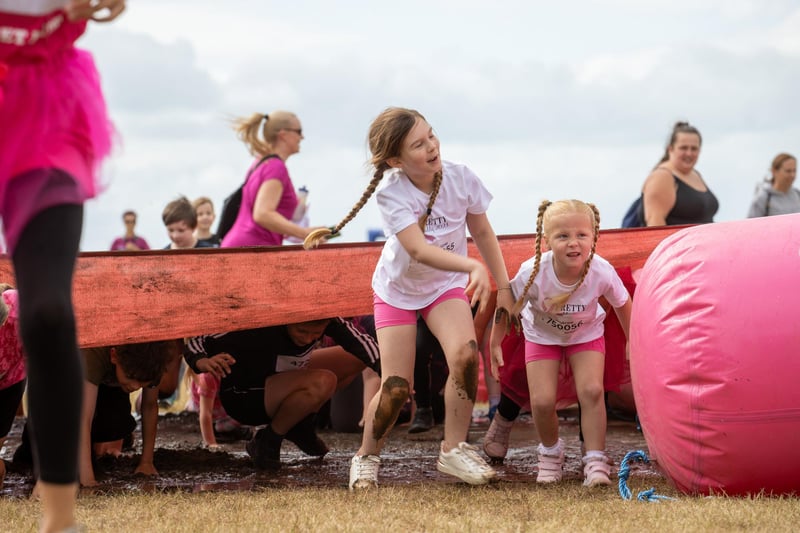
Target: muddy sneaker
x,y
464,463
423,420
304,436
495,443
265,450
550,465
364,472
596,471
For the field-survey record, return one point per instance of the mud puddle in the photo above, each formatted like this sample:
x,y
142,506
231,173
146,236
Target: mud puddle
x,y
185,466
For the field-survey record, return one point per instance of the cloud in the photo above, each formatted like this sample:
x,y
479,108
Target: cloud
x,y
541,103
143,76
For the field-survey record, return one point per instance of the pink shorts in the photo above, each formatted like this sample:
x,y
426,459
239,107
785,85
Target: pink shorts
x,y
387,315
541,352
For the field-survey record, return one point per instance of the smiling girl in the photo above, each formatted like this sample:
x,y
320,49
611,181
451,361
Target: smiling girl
x,y
427,205
562,319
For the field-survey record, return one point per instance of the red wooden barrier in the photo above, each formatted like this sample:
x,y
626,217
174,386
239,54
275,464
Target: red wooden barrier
x,y
123,297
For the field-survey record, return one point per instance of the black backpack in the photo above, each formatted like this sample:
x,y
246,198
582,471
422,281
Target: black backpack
x,y
634,216
232,204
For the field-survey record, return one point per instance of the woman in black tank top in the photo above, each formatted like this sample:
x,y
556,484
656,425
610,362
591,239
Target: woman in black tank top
x,y
674,193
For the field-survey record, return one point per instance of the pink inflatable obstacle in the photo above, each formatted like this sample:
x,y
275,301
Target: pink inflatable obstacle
x,y
715,356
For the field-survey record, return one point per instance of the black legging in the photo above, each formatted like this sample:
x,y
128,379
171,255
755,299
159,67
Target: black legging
x,y
44,261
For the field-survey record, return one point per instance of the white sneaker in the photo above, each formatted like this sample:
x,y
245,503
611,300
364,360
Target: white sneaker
x,y
466,464
550,465
364,472
596,471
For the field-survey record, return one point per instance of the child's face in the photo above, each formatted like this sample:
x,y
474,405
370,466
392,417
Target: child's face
x,y
181,235
205,216
570,236
419,156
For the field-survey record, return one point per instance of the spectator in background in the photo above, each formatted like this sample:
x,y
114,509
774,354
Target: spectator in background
x,y
129,241
674,193
204,208
775,195
269,199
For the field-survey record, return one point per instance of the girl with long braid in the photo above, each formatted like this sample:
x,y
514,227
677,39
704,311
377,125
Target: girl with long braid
x,y
427,205
561,318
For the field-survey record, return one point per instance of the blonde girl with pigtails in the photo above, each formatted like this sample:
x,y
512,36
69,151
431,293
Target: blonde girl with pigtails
x,y
426,205
557,305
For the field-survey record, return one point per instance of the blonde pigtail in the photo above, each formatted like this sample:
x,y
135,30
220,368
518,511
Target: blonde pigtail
x,y
537,261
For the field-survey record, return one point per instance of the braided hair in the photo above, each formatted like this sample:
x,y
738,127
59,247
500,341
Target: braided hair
x,y
386,136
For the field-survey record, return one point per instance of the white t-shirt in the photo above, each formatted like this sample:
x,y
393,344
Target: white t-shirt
x,y
407,284
581,318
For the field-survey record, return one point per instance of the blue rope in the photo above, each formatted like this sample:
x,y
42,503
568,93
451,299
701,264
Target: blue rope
x,y
625,471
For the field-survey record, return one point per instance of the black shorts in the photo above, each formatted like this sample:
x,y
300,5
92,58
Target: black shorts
x,y
246,406
9,403
112,415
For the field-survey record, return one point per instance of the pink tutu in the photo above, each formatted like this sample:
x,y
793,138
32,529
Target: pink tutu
x,y
53,116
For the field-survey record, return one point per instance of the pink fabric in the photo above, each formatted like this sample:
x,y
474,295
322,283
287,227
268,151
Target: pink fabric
x,y
207,386
245,231
539,352
52,112
12,357
121,243
387,315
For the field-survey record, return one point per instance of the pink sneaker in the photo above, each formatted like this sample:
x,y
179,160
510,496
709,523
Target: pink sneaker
x,y
596,471
550,466
495,443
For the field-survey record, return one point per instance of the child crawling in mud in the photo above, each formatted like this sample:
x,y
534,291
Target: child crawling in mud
x,y
111,374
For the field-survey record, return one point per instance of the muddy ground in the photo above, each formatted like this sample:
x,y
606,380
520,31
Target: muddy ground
x,y
184,465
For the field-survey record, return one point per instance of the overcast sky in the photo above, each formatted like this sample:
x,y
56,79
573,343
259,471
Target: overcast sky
x,y
542,99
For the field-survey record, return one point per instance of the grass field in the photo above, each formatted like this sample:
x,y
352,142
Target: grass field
x,y
418,507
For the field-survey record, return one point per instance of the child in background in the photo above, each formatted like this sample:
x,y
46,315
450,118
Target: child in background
x,y
561,318
12,366
204,398
121,370
180,219
204,208
427,205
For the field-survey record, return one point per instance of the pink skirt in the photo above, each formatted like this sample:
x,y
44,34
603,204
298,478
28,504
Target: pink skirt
x,y
53,116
